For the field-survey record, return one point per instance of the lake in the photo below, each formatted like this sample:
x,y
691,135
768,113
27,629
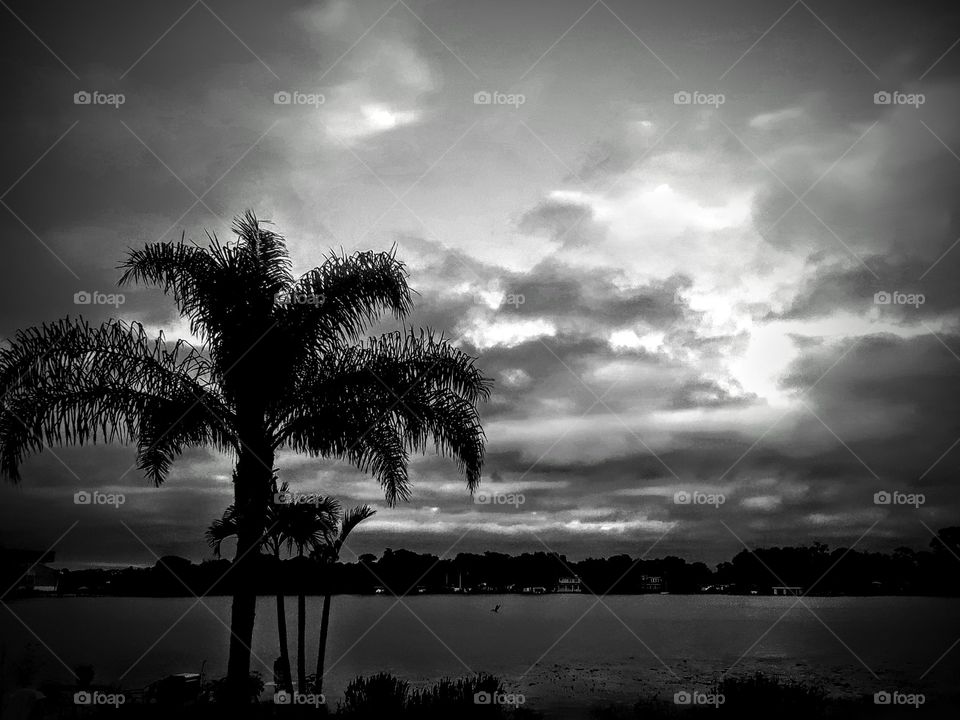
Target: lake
x,y
558,650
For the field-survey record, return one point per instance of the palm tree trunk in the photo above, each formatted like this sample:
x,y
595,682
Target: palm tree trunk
x,y
301,641
322,646
243,613
284,649
251,493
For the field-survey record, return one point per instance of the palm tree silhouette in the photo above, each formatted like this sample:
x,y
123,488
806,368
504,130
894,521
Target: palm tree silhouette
x,y
305,527
273,540
328,553
281,366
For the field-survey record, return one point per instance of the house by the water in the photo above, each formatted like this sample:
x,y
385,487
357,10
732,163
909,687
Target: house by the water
x,y
569,585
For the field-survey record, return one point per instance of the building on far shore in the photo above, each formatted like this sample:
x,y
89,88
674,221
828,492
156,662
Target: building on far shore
x,y
651,583
787,590
569,585
42,579
28,570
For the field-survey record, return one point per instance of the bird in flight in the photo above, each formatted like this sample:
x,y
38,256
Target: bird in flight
x,y
496,609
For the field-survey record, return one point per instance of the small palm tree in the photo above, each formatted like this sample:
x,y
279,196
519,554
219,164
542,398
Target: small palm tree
x,y
225,528
305,528
282,366
328,554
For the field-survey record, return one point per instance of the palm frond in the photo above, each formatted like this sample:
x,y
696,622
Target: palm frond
x,y
222,529
373,404
306,526
187,271
70,383
347,293
358,436
425,359
267,250
351,518
227,291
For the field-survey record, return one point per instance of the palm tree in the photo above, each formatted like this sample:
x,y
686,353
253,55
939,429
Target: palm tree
x,y
305,528
226,527
328,554
281,365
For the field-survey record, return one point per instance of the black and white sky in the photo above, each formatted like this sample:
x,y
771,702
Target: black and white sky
x,y
697,279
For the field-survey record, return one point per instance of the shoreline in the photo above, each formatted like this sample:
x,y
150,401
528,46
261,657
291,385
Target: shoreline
x,y
74,596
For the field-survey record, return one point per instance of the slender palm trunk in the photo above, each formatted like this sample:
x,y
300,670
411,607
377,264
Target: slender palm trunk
x,y
322,646
301,641
286,680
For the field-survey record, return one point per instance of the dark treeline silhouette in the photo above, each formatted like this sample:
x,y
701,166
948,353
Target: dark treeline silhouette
x,y
815,569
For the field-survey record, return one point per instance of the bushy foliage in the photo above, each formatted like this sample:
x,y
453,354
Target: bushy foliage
x,y
457,698
380,695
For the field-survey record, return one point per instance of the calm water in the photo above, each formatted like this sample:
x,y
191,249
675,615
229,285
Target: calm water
x,y
647,644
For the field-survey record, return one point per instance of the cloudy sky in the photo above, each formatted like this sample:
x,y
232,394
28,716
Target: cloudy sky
x,y
672,296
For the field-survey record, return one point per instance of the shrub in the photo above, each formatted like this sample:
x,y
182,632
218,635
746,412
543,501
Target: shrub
x,y
775,696
378,696
449,698
220,690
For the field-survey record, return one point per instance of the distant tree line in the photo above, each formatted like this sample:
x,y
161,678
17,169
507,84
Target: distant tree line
x,y
814,568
